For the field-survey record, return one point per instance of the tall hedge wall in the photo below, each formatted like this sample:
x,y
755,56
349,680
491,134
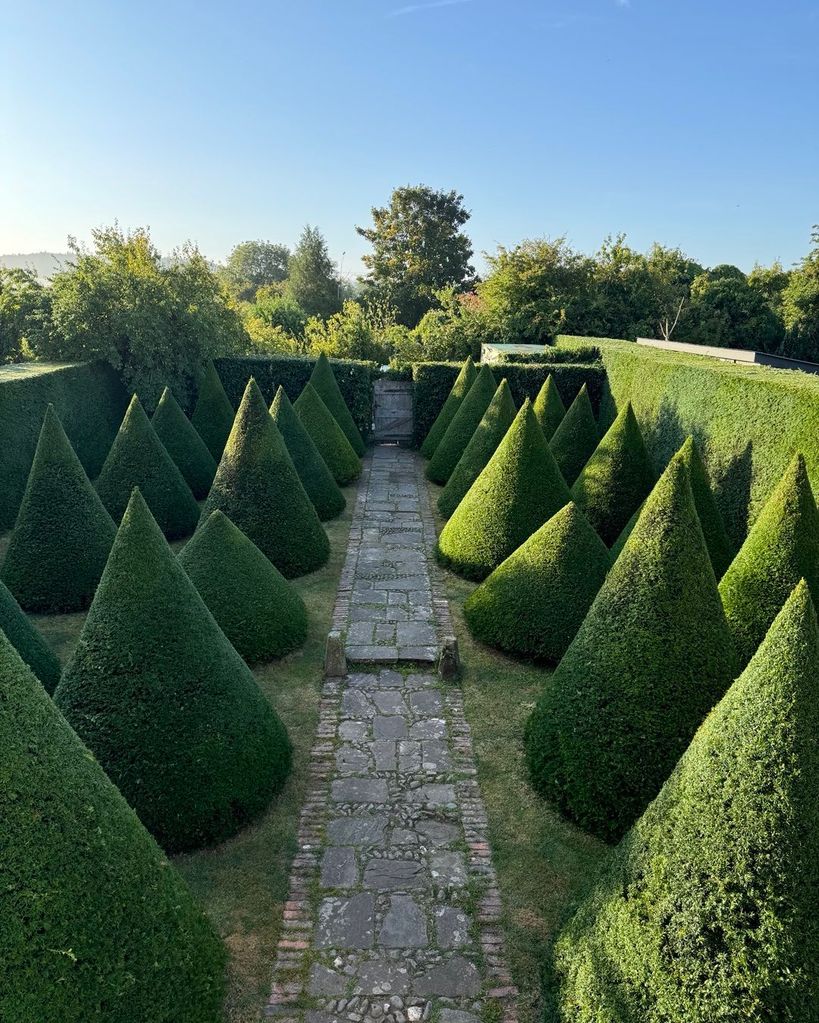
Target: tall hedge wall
x,y
748,421
433,381
90,402
355,379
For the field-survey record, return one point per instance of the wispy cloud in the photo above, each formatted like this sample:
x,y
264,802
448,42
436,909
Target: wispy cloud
x,y
431,5
623,3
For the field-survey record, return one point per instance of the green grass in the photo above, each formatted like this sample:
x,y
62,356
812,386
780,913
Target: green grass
x,y
543,862
243,882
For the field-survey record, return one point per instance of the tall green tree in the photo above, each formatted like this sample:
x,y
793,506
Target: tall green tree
x,y
800,306
25,309
725,310
672,273
622,292
418,249
313,282
770,282
252,265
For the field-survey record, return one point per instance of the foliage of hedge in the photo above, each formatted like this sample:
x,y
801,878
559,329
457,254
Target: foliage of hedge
x,y
433,382
616,479
316,478
184,445
63,536
213,415
713,528
165,703
748,421
27,641
548,407
90,401
576,437
464,424
535,601
589,353
490,432
520,488
327,435
354,379
326,387
781,549
650,660
97,925
707,909
463,381
259,490
138,459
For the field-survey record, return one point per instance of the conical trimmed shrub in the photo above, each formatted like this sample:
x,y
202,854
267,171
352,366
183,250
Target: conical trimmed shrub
x,y
316,478
184,445
781,548
327,435
213,413
548,407
707,909
490,432
259,490
97,925
616,479
617,547
463,381
713,528
651,658
254,605
27,641
63,534
326,387
519,490
165,703
575,439
534,602
464,423
138,459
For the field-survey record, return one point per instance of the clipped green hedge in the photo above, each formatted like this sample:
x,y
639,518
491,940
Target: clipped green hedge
x,y
434,380
748,421
323,380
460,388
213,414
462,428
27,641
337,452
184,444
96,924
89,399
355,381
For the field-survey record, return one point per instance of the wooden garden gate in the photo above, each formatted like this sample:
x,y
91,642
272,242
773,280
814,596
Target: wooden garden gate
x,y
392,412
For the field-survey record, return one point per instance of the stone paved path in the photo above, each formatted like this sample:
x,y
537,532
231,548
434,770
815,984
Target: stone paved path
x,y
393,911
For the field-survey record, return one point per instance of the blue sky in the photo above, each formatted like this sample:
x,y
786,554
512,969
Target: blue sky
x,y
693,123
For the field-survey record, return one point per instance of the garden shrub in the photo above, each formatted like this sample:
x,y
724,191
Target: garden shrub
x,y
713,528
213,414
64,534
649,661
463,381
490,432
464,423
254,605
27,641
138,459
97,925
326,387
548,407
617,547
575,439
616,479
184,445
781,549
165,703
259,490
316,478
535,601
707,909
327,435
520,488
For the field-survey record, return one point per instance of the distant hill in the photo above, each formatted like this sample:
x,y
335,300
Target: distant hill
x,y
44,264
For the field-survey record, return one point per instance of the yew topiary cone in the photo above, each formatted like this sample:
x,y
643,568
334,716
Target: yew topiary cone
x,y
27,641
97,925
576,437
616,479
165,703
213,414
316,478
464,423
490,432
463,381
520,488
63,534
534,602
326,387
713,528
327,435
781,548
548,408
184,445
651,658
259,490
253,604
707,909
